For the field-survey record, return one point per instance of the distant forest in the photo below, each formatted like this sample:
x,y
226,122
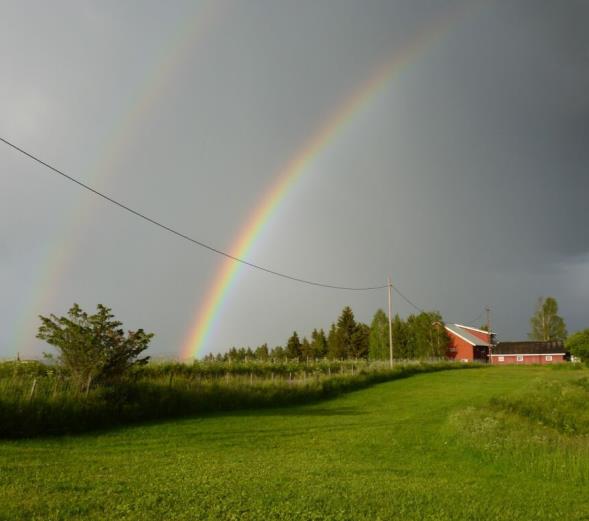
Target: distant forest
x,y
420,336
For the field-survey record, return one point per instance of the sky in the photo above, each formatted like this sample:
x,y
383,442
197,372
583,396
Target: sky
x,y
464,176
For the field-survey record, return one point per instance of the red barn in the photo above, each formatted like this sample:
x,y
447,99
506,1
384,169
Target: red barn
x,y
468,344
529,353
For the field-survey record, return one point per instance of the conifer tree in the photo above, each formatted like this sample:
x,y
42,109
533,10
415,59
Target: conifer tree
x,y
346,327
278,353
334,350
360,341
318,343
262,352
293,347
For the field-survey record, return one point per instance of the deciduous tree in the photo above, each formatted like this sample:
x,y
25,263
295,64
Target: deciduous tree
x,y
578,345
546,324
379,337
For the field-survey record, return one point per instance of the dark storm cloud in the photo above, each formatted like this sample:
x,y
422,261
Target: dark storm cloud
x,y
465,179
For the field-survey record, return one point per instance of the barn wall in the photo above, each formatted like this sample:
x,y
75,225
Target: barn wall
x,y
463,350
528,359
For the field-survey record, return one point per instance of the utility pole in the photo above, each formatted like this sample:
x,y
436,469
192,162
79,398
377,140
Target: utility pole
x,y
389,286
488,311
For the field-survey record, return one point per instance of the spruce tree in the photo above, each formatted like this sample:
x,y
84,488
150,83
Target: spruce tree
x,y
346,329
334,350
360,341
293,347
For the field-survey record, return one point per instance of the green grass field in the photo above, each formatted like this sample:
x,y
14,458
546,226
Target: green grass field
x,y
430,447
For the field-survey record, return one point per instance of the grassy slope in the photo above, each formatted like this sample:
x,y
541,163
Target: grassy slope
x,y
387,452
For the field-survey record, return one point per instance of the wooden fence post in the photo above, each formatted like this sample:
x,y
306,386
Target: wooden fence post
x,y
33,389
88,384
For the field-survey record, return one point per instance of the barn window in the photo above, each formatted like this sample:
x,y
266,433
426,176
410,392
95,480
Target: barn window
x,y
549,358
502,359
520,358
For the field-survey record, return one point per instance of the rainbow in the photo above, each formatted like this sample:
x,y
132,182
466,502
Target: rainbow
x,y
59,253
210,310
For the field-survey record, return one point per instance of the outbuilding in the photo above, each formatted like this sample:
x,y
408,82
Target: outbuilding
x,y
468,344
505,353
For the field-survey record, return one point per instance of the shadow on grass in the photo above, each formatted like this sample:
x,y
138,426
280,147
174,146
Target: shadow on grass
x,y
144,405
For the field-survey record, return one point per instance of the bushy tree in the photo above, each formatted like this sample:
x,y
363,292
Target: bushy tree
x,y
425,336
93,348
578,345
546,324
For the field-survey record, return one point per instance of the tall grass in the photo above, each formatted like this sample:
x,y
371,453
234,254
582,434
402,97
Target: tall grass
x,y
34,403
543,429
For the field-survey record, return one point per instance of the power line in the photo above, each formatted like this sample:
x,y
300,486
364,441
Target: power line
x,y
188,238
406,299
479,316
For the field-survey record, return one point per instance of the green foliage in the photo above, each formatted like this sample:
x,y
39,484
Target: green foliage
x,y
546,324
348,339
578,345
262,352
334,349
294,347
560,405
93,347
318,343
421,336
346,332
379,337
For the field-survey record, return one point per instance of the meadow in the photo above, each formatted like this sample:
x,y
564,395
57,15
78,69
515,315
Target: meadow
x,y
501,443
37,400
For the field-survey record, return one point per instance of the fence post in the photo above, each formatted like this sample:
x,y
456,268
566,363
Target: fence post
x,y
88,384
33,389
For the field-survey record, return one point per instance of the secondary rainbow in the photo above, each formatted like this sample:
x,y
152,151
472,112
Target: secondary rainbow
x,y
210,310
60,251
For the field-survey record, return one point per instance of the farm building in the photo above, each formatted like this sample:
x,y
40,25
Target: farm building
x,y
468,344
529,353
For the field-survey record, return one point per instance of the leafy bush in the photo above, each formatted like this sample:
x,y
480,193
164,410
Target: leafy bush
x,y
93,348
578,345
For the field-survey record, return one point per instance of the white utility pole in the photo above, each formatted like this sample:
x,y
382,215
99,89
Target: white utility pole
x,y
488,310
389,285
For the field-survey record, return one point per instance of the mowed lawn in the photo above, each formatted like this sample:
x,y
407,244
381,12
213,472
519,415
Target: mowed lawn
x,y
388,452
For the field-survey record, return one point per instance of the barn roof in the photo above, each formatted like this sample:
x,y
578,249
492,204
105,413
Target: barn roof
x,y
528,348
465,335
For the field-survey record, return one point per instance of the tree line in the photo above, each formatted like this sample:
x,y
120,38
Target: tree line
x,y
419,336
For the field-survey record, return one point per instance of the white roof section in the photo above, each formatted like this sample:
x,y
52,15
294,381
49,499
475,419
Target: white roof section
x,y
462,332
474,329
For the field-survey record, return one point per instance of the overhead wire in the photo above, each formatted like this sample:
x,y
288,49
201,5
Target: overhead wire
x,y
187,237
